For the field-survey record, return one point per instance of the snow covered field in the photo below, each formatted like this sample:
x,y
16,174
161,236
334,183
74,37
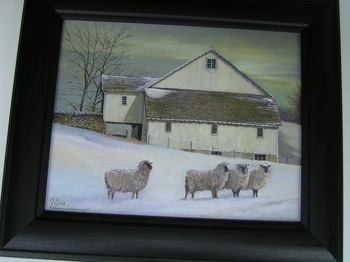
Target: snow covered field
x,y
79,159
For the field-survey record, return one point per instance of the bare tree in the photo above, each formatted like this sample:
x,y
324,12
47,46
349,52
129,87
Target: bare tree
x,y
295,103
292,112
94,49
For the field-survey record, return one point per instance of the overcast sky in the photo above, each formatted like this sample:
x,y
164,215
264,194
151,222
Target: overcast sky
x,y
270,58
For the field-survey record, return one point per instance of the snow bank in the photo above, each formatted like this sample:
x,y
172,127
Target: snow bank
x,y
79,159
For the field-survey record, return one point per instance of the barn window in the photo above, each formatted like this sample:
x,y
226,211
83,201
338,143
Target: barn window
x,y
260,157
216,153
124,100
214,129
211,63
167,127
260,132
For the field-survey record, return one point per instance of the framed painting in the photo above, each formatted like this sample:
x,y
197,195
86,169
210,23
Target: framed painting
x,y
163,133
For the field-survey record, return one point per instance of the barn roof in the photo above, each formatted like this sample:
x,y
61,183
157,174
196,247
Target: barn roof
x,y
213,107
125,83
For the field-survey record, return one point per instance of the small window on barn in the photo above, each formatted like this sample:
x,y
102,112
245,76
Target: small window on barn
x,y
216,153
260,132
211,64
260,157
214,129
124,100
167,127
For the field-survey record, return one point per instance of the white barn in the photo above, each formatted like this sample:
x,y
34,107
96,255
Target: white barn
x,y
206,105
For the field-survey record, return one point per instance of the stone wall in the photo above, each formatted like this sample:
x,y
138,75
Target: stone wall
x,y
89,121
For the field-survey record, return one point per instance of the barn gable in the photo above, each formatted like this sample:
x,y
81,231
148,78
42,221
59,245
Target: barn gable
x,y
210,72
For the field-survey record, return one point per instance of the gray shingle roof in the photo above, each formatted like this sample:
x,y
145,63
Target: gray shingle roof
x,y
125,83
214,107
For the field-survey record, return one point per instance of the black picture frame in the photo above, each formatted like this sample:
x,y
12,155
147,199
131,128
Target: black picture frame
x,y
27,230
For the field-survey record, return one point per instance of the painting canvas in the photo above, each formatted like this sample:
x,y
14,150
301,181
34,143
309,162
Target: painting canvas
x,y
176,121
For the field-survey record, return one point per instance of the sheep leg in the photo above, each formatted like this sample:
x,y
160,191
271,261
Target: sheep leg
x,y
255,193
234,193
137,194
110,194
192,195
237,193
186,189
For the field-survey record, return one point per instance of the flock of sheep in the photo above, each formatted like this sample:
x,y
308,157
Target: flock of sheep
x,y
221,177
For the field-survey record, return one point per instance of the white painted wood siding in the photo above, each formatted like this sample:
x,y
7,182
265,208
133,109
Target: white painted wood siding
x,y
227,139
195,76
115,111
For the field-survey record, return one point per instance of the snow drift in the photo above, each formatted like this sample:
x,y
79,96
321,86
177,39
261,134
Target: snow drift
x,y
79,159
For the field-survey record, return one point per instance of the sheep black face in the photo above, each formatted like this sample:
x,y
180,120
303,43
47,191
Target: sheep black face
x,y
224,165
266,168
226,169
243,168
148,164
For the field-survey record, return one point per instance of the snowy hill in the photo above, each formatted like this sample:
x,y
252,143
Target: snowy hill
x,y
79,159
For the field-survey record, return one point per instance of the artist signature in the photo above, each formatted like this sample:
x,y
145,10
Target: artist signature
x,y
57,202
61,204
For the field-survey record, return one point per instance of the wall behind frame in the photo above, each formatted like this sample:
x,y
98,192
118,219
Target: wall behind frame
x,y
10,22
10,18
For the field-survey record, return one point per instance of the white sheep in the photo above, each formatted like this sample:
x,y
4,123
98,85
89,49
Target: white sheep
x,y
128,180
201,180
238,179
258,178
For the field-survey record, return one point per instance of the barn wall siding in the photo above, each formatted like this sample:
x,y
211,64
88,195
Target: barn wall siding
x,y
114,111
198,137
